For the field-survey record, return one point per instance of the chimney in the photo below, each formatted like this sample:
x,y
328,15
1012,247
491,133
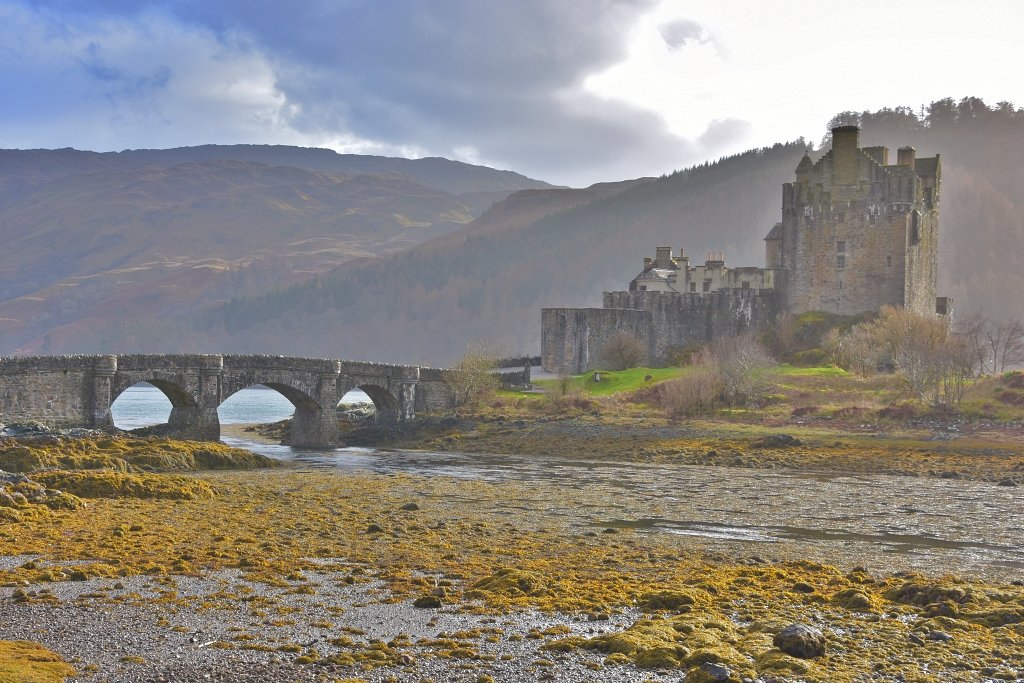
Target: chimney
x,y
647,262
905,156
663,257
845,155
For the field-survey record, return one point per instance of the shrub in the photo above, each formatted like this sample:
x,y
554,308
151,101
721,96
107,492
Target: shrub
x,y
472,378
623,351
696,392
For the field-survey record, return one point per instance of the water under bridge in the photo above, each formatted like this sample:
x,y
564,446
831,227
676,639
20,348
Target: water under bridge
x,y
77,391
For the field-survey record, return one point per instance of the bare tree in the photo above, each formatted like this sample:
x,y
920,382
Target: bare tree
x,y
740,362
782,335
996,346
972,330
472,377
1006,344
935,364
959,367
623,351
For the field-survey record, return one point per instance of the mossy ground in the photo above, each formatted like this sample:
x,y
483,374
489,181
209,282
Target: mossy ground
x,y
279,526
465,545
26,662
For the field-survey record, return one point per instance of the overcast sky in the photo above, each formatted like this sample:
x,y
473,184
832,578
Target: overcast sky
x,y
568,91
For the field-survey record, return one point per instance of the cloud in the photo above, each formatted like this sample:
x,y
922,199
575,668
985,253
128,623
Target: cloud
x,y
502,79
682,32
114,82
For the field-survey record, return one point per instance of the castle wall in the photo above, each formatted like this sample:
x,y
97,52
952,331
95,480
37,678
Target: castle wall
x,y
572,339
679,320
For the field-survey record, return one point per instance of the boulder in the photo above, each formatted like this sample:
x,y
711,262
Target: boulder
x,y
776,441
799,640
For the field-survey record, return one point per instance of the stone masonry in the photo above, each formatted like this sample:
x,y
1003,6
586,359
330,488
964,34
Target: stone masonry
x,y
77,391
856,234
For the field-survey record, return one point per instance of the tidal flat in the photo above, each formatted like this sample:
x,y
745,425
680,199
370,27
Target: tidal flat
x,y
567,571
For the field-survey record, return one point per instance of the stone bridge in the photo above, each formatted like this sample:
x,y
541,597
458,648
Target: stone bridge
x,y
77,391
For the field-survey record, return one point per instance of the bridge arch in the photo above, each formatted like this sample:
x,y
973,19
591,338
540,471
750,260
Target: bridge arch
x,y
387,406
178,397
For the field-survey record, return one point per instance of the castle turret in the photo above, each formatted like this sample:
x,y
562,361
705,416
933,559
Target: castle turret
x,y
906,156
845,155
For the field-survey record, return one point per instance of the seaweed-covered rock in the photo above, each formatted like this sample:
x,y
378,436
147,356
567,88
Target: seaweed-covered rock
x,y
427,602
509,582
922,593
776,441
677,600
800,640
709,672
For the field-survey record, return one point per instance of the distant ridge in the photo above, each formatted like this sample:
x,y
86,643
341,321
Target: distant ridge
x,y
94,243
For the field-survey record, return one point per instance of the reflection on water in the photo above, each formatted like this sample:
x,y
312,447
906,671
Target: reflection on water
x,y
934,525
143,405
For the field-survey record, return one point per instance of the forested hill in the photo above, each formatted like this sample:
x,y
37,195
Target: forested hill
x,y
101,249
488,283
559,247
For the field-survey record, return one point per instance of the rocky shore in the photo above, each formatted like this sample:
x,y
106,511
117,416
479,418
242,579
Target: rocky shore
x,y
299,574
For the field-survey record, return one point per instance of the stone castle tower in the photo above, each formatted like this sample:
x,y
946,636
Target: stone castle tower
x,y
858,233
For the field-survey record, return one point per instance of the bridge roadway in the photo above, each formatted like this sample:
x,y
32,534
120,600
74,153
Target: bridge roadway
x,y
77,391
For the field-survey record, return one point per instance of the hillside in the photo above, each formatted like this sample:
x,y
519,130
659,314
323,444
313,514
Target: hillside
x,y
94,239
561,247
490,279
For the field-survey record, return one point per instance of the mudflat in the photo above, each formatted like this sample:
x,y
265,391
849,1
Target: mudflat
x,y
452,566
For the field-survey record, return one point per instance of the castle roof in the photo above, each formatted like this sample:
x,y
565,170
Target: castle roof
x,y
775,233
654,274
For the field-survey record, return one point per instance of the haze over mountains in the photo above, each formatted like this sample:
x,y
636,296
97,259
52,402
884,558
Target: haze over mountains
x,y
486,279
94,240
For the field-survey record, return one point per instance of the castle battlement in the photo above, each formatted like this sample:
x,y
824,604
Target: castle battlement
x,y
856,234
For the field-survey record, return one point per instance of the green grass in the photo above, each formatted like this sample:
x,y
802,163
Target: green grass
x,y
614,382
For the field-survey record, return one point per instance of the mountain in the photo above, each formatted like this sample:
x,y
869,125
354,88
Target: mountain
x,y
490,279
92,239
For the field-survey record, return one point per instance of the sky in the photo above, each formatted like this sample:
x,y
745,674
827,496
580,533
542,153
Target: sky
x,y
568,91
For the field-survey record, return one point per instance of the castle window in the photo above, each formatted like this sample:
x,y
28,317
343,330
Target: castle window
x,y
888,261
693,286
746,285
915,229
840,260
707,285
840,285
841,246
643,288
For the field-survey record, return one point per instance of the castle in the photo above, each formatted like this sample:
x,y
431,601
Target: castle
x,y
856,234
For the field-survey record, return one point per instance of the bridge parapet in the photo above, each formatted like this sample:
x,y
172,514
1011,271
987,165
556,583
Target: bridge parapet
x,y
77,391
